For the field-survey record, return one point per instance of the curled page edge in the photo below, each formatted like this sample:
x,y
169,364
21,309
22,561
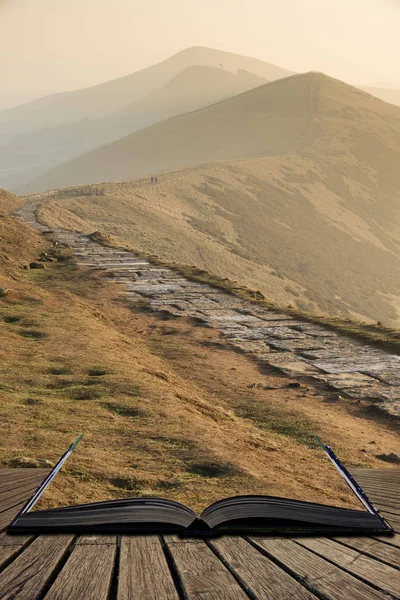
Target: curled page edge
x,y
352,483
46,482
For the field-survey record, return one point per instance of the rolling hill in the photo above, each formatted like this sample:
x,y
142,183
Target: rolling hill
x,y
302,200
269,119
27,155
106,98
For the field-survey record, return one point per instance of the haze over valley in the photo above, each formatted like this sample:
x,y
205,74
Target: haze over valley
x,y
48,131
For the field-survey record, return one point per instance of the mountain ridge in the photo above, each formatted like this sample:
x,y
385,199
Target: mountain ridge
x,y
303,195
165,160
111,95
150,156
195,87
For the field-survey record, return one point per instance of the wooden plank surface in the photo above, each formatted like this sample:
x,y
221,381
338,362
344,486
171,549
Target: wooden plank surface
x,y
8,515
391,473
15,476
95,540
387,492
202,574
393,540
7,553
382,486
388,479
27,576
380,497
18,488
150,568
325,578
372,571
386,503
374,548
16,499
86,574
393,520
259,575
13,540
143,570
23,471
11,546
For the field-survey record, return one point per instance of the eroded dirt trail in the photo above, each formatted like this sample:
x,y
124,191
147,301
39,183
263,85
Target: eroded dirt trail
x,y
357,370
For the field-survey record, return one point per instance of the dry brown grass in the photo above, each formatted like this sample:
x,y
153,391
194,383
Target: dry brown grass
x,y
8,201
162,414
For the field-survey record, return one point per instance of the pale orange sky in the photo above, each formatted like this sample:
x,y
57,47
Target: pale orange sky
x,y
65,44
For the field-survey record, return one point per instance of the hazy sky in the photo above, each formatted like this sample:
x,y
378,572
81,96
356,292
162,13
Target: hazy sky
x,y
67,44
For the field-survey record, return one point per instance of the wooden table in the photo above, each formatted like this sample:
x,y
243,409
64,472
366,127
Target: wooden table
x,y
67,567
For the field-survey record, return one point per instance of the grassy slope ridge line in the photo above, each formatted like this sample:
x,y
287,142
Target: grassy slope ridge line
x,y
377,334
301,200
249,124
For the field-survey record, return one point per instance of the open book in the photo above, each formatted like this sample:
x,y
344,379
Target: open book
x,y
236,515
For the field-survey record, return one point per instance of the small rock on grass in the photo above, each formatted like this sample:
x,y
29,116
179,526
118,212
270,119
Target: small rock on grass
x,y
4,292
37,265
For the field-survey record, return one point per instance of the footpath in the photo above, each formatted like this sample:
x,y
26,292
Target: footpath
x,y
296,347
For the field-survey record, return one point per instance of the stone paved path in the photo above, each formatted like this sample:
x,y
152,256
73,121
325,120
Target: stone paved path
x,y
296,347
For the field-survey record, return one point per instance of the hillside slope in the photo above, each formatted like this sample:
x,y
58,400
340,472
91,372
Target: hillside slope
x,y
8,202
269,119
28,154
317,227
103,99
162,404
17,242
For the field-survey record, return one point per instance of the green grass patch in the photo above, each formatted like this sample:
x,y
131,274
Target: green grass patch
x,y
271,420
32,402
212,469
299,430
33,334
132,484
166,485
79,473
12,319
60,384
97,372
60,371
81,392
122,410
123,388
